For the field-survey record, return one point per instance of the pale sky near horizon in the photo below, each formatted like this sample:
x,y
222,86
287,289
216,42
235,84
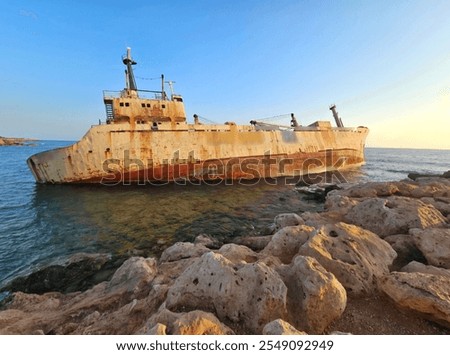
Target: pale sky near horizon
x,y
385,64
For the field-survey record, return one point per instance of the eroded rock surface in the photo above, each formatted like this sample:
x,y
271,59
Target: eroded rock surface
x,y
357,257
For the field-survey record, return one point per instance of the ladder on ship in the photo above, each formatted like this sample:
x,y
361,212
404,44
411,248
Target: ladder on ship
x,y
109,111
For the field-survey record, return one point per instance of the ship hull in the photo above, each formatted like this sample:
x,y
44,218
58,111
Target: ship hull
x,y
125,154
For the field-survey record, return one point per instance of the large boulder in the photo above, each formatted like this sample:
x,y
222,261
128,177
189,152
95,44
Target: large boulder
x,y
286,242
394,215
252,295
357,257
424,294
434,243
315,297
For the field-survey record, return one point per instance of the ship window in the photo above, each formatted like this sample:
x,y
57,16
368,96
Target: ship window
x,y
163,106
121,104
127,104
148,105
143,105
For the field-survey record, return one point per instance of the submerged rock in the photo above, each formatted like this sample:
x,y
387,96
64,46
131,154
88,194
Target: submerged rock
x,y
78,273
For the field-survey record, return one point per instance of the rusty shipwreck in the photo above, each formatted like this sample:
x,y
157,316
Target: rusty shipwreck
x,y
148,139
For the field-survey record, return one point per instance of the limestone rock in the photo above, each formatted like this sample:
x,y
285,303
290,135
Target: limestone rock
x,y
238,253
425,294
315,297
287,241
199,323
357,257
252,295
280,327
415,266
183,250
434,243
287,219
134,275
394,215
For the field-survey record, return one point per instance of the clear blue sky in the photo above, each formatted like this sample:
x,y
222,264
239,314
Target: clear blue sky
x,y
386,64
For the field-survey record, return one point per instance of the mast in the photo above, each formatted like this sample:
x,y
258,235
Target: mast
x,y
336,116
129,62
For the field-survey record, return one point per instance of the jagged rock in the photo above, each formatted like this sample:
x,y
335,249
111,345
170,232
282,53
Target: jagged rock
x,y
406,249
425,294
394,215
183,250
134,275
357,257
199,323
255,243
238,253
280,327
434,243
415,266
287,219
286,242
315,297
253,294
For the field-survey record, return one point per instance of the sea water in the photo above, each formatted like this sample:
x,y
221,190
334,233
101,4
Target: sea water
x,y
41,224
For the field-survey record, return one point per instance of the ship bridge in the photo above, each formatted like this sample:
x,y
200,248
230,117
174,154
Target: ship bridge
x,y
141,106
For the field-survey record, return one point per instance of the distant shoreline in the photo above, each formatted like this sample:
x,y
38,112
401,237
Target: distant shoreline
x,y
5,141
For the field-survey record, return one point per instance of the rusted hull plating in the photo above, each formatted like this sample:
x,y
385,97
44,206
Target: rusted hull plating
x,y
119,155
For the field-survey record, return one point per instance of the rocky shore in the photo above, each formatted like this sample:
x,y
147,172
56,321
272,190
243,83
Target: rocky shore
x,y
376,261
14,141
